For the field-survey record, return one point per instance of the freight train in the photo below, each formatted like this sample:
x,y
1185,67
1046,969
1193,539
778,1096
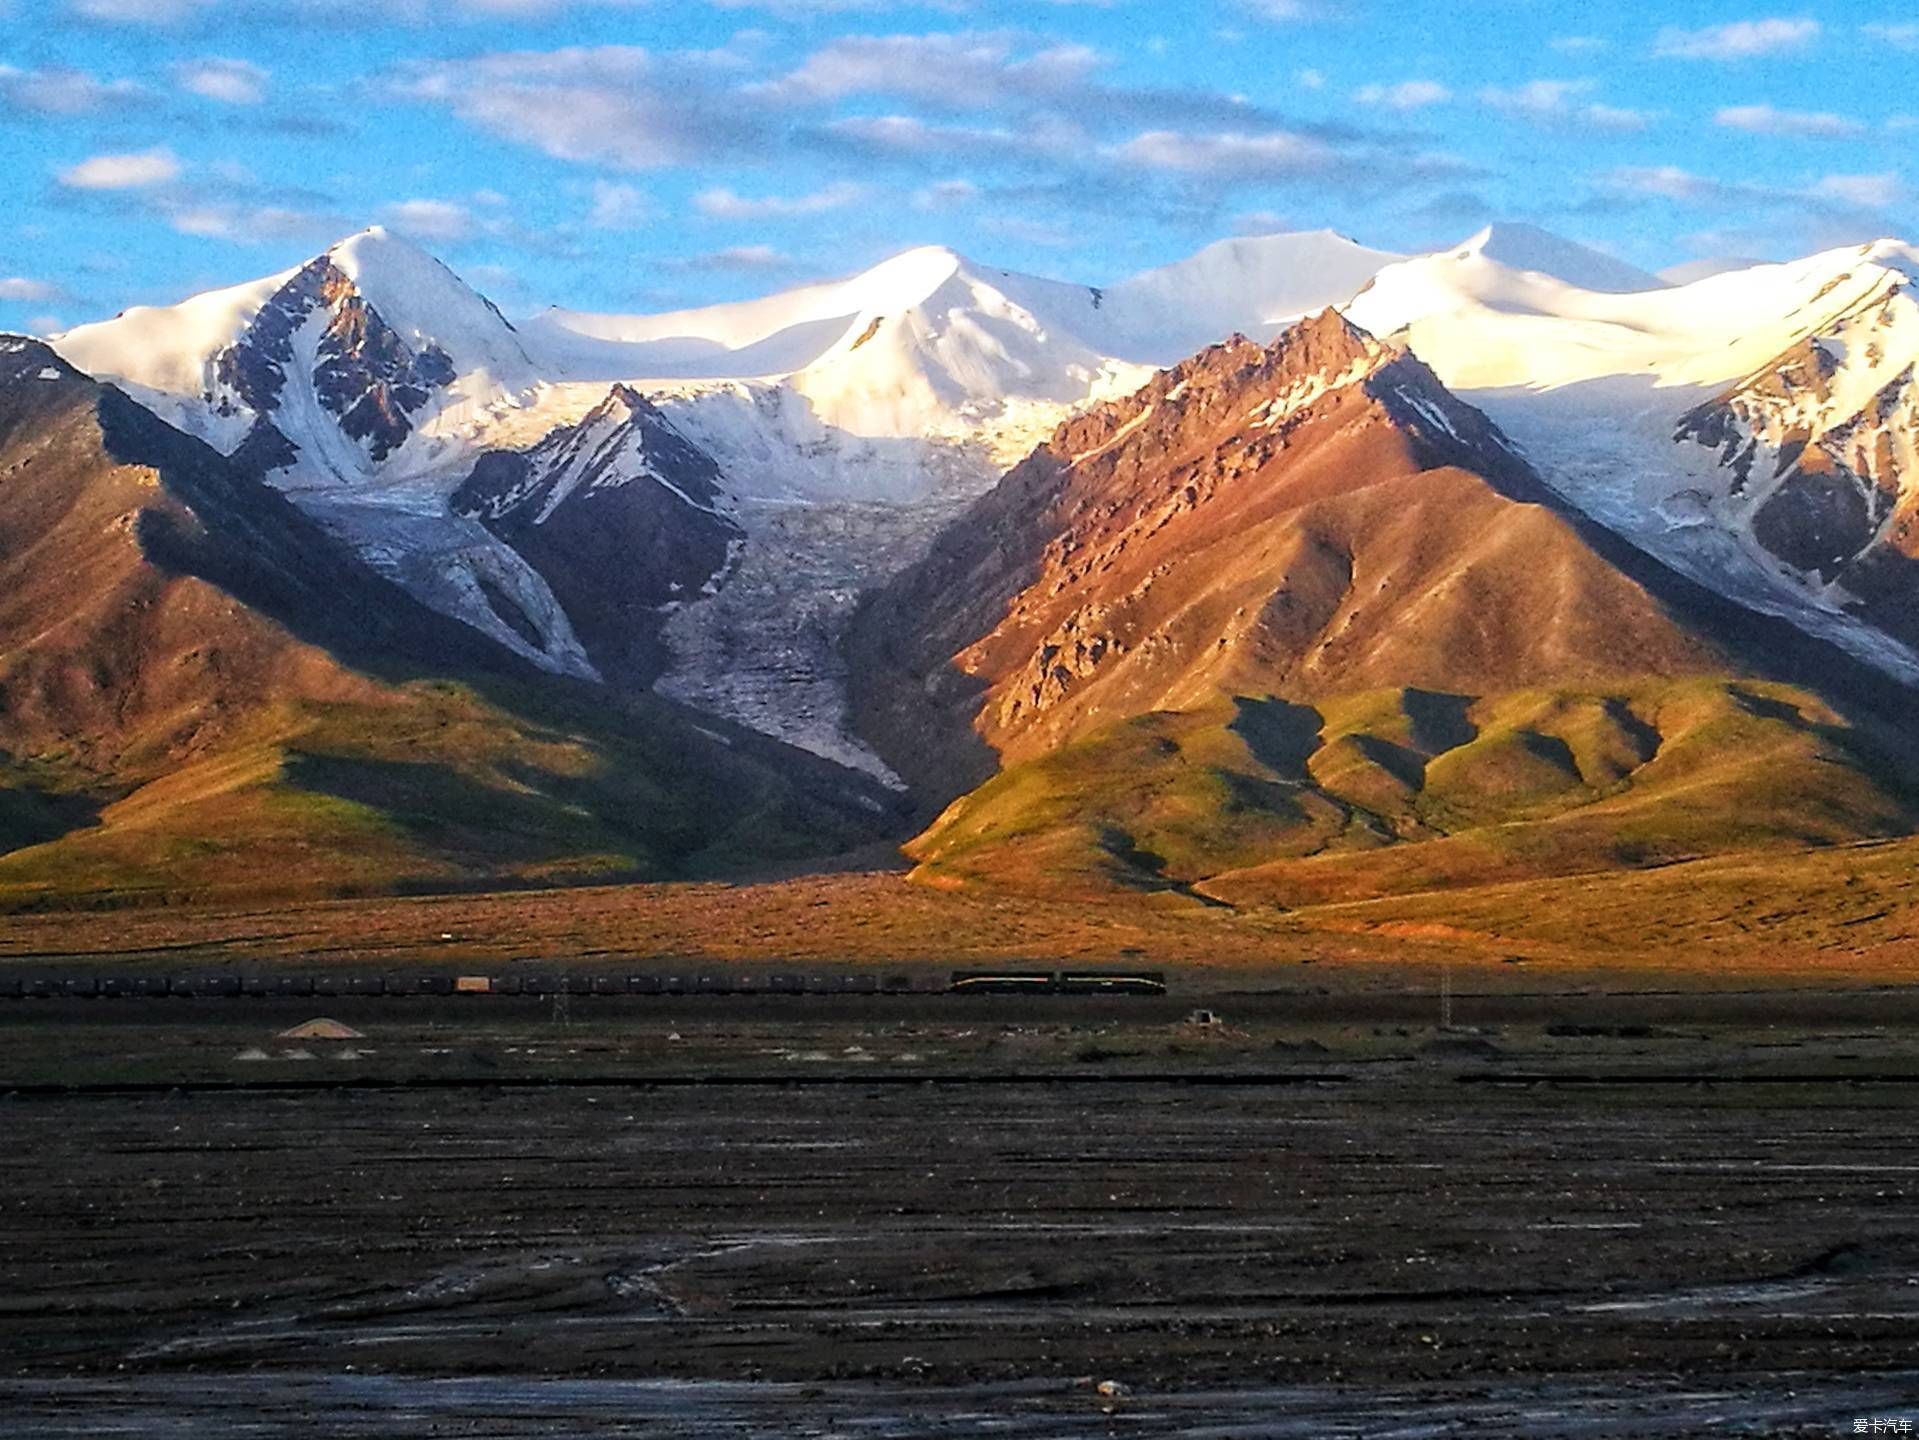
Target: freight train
x,y
24,985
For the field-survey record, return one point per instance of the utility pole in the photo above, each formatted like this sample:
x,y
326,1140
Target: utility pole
x,y
1446,995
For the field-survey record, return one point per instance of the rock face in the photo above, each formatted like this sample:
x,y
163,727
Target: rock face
x,y
203,690
1300,600
1313,516
155,593
620,515
1819,449
364,375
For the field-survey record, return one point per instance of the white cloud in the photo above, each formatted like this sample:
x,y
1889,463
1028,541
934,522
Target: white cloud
x,y
1227,155
1671,182
1051,234
1286,11
1841,192
132,171
945,195
19,288
1560,102
62,91
617,206
908,135
441,221
724,204
252,224
1864,192
615,105
966,71
139,12
1766,120
1577,44
1260,222
231,82
1407,95
1901,35
1740,40
1310,79
741,258
804,9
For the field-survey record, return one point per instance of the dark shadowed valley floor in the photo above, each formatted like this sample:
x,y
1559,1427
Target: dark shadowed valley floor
x,y
938,1217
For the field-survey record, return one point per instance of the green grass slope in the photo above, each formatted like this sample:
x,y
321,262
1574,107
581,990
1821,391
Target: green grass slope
x,y
1261,801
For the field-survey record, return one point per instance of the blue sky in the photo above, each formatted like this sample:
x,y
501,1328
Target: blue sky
x,y
641,154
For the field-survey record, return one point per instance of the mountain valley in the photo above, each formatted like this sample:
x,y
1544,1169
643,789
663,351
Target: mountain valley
x,y
1292,573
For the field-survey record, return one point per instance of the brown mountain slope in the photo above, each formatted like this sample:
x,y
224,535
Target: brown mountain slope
x,y
200,691
1301,601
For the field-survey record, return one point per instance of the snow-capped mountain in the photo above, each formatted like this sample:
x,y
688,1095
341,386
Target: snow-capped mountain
x,y
370,356
693,500
1752,428
619,515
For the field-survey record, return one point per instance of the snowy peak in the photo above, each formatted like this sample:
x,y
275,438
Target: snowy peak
x,y
1241,393
341,360
1528,248
619,515
362,373
1818,451
622,440
428,306
1253,284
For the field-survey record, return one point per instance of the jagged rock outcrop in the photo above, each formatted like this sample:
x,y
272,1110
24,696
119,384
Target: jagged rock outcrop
x,y
620,514
1818,451
364,374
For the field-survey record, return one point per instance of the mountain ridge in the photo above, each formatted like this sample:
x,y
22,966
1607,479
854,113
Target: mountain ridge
x,y
1298,599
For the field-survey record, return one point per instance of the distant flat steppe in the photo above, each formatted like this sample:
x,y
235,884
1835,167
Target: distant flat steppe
x,y
1835,914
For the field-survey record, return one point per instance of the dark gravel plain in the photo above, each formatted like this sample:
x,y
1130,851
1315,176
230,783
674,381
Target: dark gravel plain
x,y
929,1217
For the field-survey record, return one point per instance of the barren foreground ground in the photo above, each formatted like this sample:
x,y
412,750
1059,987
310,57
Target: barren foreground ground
x,y
1569,1215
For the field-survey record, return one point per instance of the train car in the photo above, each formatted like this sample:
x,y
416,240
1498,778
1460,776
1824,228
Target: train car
x,y
642,984
435,984
39,987
326,985
713,984
117,987
861,984
365,985
577,984
1004,982
399,985
156,987
785,984
293,985
609,984
509,985
12,987
896,984
1112,982
75,988
676,985
221,987
538,985
472,984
